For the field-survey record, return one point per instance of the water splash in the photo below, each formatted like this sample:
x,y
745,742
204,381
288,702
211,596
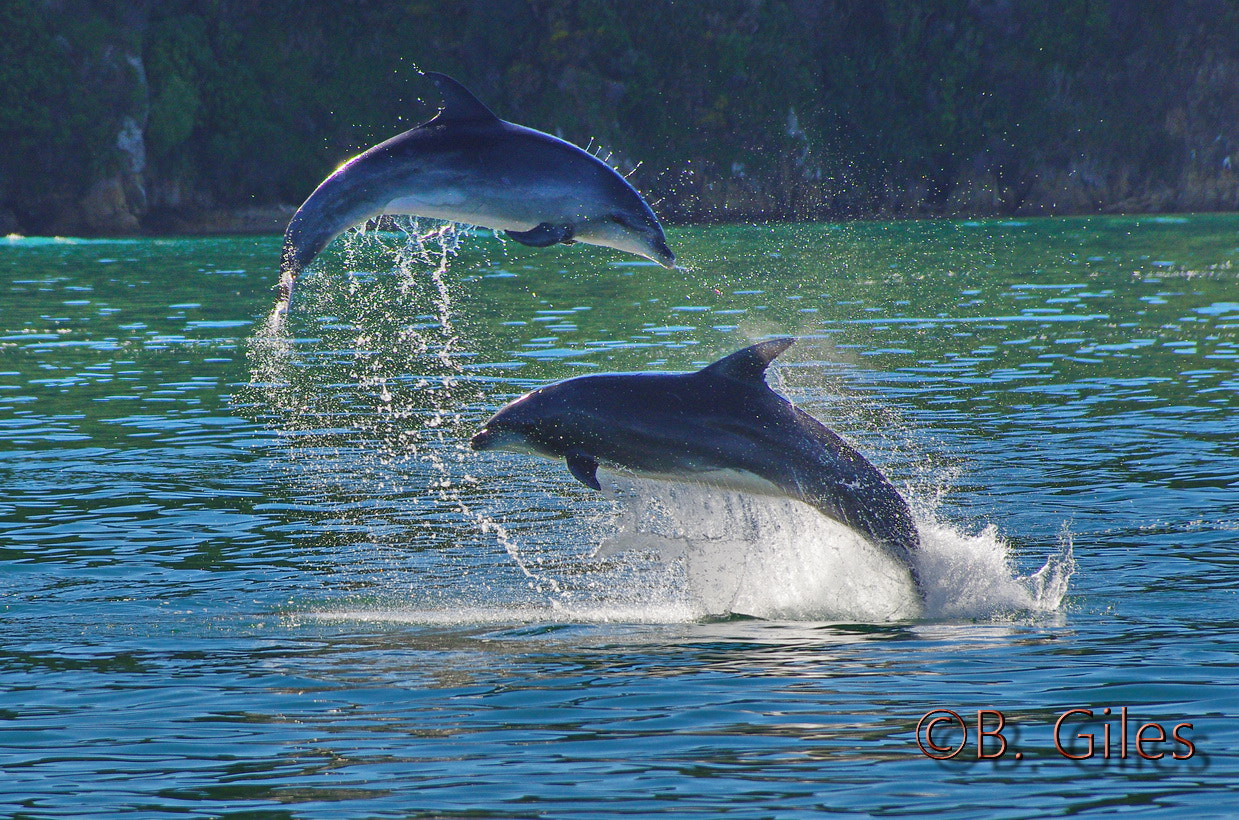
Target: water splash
x,y
780,559
376,406
770,558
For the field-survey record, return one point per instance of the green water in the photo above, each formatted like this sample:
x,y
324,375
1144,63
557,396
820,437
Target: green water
x,y
245,574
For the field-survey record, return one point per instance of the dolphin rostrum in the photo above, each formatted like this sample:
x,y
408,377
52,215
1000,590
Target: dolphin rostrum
x,y
467,165
721,425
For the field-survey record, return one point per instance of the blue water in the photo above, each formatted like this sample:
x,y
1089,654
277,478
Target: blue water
x,y
257,573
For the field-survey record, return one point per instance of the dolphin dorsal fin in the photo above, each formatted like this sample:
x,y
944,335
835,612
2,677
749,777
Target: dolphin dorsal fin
x,y
749,365
459,104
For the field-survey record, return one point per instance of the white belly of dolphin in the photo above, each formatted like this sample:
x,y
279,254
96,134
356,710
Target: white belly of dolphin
x,y
455,206
738,480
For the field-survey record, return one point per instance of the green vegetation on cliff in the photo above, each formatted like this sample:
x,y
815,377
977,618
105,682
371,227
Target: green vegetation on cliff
x,y
120,120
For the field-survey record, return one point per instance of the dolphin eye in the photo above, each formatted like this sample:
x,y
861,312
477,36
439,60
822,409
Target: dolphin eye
x,y
622,221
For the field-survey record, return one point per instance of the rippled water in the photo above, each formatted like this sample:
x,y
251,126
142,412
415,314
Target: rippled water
x,y
254,573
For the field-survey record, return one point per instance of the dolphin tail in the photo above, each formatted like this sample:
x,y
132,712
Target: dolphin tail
x,y
835,478
308,233
288,280
887,521
298,251
906,544
846,487
894,529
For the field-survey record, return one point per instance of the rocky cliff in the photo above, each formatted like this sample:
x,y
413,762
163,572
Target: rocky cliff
x,y
195,115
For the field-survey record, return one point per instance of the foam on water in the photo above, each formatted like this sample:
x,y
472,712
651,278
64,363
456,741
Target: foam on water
x,y
660,613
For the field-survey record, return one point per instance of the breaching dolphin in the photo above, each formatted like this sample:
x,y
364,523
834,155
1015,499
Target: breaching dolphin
x,y
722,426
467,165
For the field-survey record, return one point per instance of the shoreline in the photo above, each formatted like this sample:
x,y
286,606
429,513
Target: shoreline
x,y
272,221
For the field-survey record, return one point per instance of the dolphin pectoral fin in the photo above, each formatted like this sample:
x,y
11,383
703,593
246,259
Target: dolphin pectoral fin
x,y
584,469
543,236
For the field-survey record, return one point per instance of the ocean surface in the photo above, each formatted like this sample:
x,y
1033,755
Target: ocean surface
x,y
252,569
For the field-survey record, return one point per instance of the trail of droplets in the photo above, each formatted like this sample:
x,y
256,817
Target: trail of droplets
x,y
379,406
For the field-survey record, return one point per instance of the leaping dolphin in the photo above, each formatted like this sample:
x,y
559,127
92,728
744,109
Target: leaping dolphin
x,y
722,426
467,165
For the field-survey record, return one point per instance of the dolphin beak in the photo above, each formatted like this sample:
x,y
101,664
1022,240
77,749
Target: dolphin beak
x,y
662,254
482,440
